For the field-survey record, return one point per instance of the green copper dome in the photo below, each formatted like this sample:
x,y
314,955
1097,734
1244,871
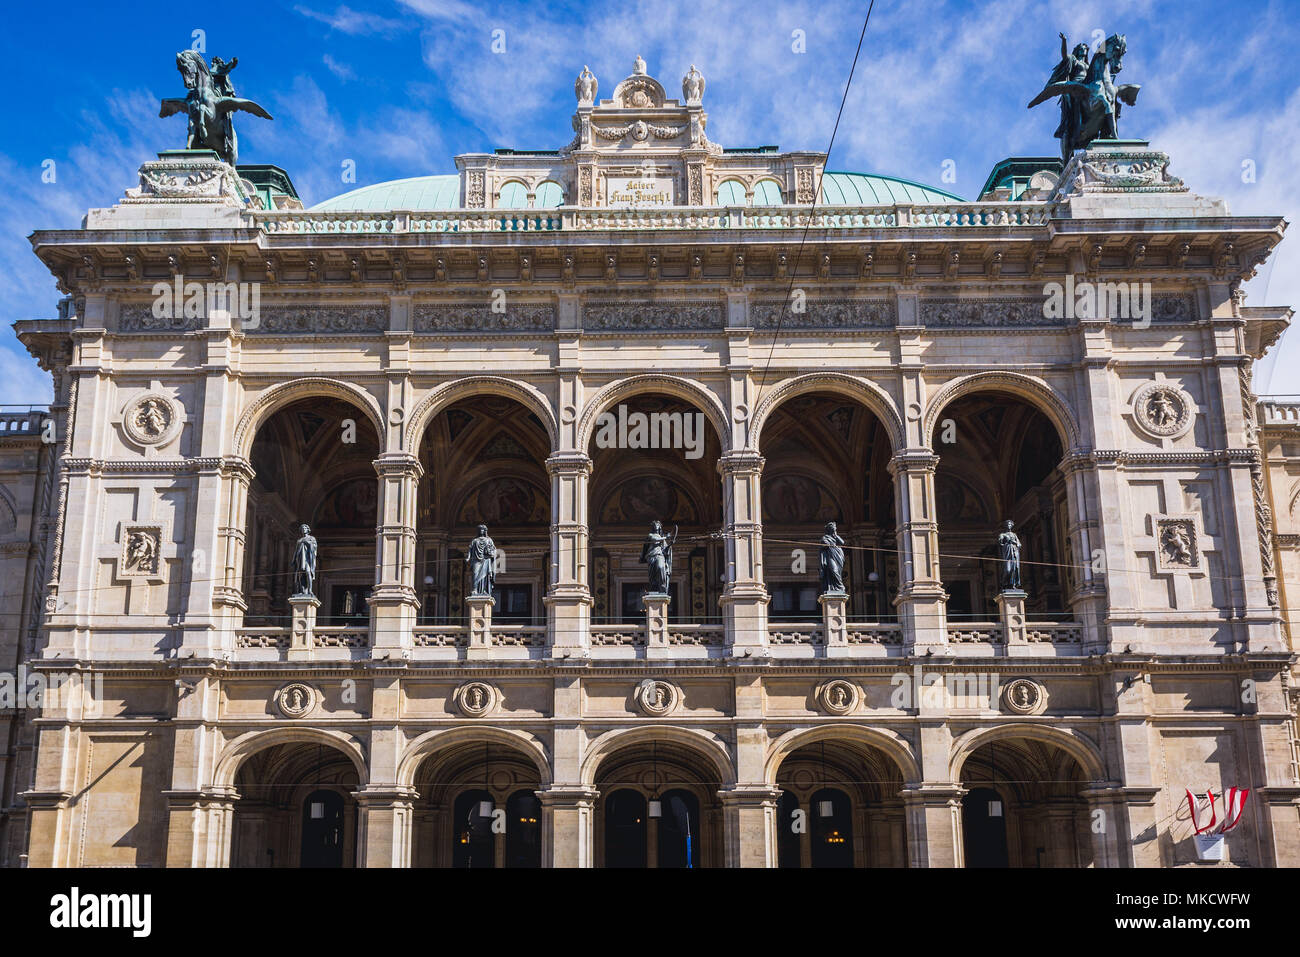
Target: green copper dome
x,y
416,193
443,193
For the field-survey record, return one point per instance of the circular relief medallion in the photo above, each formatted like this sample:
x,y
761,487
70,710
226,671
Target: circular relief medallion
x,y
837,697
1023,696
656,698
475,699
295,700
1162,410
150,419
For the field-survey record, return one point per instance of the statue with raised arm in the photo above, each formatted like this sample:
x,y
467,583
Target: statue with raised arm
x,y
304,564
481,557
1095,100
832,561
208,105
657,553
1009,555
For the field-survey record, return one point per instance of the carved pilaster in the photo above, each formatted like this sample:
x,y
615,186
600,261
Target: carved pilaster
x,y
744,598
921,600
568,596
393,602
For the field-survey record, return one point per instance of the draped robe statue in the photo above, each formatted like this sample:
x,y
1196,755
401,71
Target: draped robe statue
x,y
1009,555
832,561
304,563
657,553
481,559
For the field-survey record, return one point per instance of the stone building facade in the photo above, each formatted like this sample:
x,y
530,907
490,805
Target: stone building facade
x,y
566,345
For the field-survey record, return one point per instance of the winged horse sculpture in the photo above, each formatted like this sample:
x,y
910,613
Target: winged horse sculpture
x,y
209,103
1094,102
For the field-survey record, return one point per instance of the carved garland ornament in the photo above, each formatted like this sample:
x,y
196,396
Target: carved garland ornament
x,y
656,698
1162,410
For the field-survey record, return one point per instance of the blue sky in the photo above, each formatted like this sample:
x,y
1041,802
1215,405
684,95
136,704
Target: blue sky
x,y
401,86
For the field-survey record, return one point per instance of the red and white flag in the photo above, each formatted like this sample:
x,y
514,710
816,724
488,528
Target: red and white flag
x,y
1234,802
1196,817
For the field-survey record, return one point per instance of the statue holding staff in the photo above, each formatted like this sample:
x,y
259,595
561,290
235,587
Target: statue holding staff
x,y
657,553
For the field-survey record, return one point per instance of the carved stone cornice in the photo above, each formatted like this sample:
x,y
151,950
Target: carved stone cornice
x,y
568,463
913,460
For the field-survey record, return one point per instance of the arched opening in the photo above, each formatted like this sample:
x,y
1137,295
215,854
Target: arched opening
x,y
730,192
296,808
549,195
484,463
514,195
1023,806
477,808
314,464
840,807
658,808
654,458
826,460
767,192
999,460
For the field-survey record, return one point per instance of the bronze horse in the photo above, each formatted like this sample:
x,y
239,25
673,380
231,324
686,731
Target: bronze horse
x,y
1096,99
209,103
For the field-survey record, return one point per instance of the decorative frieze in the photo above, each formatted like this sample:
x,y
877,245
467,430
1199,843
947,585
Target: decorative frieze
x,y
824,314
985,313
627,316
318,319
481,317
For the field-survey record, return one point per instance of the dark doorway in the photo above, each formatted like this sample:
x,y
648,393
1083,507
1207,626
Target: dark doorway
x,y
322,829
832,829
523,830
787,838
983,830
679,830
625,829
472,831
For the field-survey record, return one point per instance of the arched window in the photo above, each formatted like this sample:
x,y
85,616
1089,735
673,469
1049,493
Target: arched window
x,y
625,829
513,196
679,830
787,838
549,195
767,192
832,833
731,192
523,830
471,831
322,829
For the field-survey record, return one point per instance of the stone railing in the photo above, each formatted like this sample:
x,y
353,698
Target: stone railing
x,y
703,635
440,636
518,636
955,215
869,633
1055,633
267,637
15,422
795,633
975,631
340,636
1280,410
614,635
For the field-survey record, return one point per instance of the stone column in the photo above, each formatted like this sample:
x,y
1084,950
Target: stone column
x,y
384,826
393,603
934,837
749,823
568,596
921,600
568,819
744,597
480,626
1105,824
199,825
228,596
1087,596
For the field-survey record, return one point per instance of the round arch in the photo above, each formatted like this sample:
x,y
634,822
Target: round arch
x,y
431,742
868,393
246,745
1037,393
892,744
450,392
1072,742
675,386
278,396
706,745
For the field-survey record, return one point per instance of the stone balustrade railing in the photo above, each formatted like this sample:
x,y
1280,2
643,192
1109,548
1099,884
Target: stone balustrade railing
x,y
1280,410
975,631
340,636
702,635
614,635
795,633
518,636
584,219
21,421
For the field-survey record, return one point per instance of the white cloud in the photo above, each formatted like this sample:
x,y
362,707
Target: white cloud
x,y
354,22
340,70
